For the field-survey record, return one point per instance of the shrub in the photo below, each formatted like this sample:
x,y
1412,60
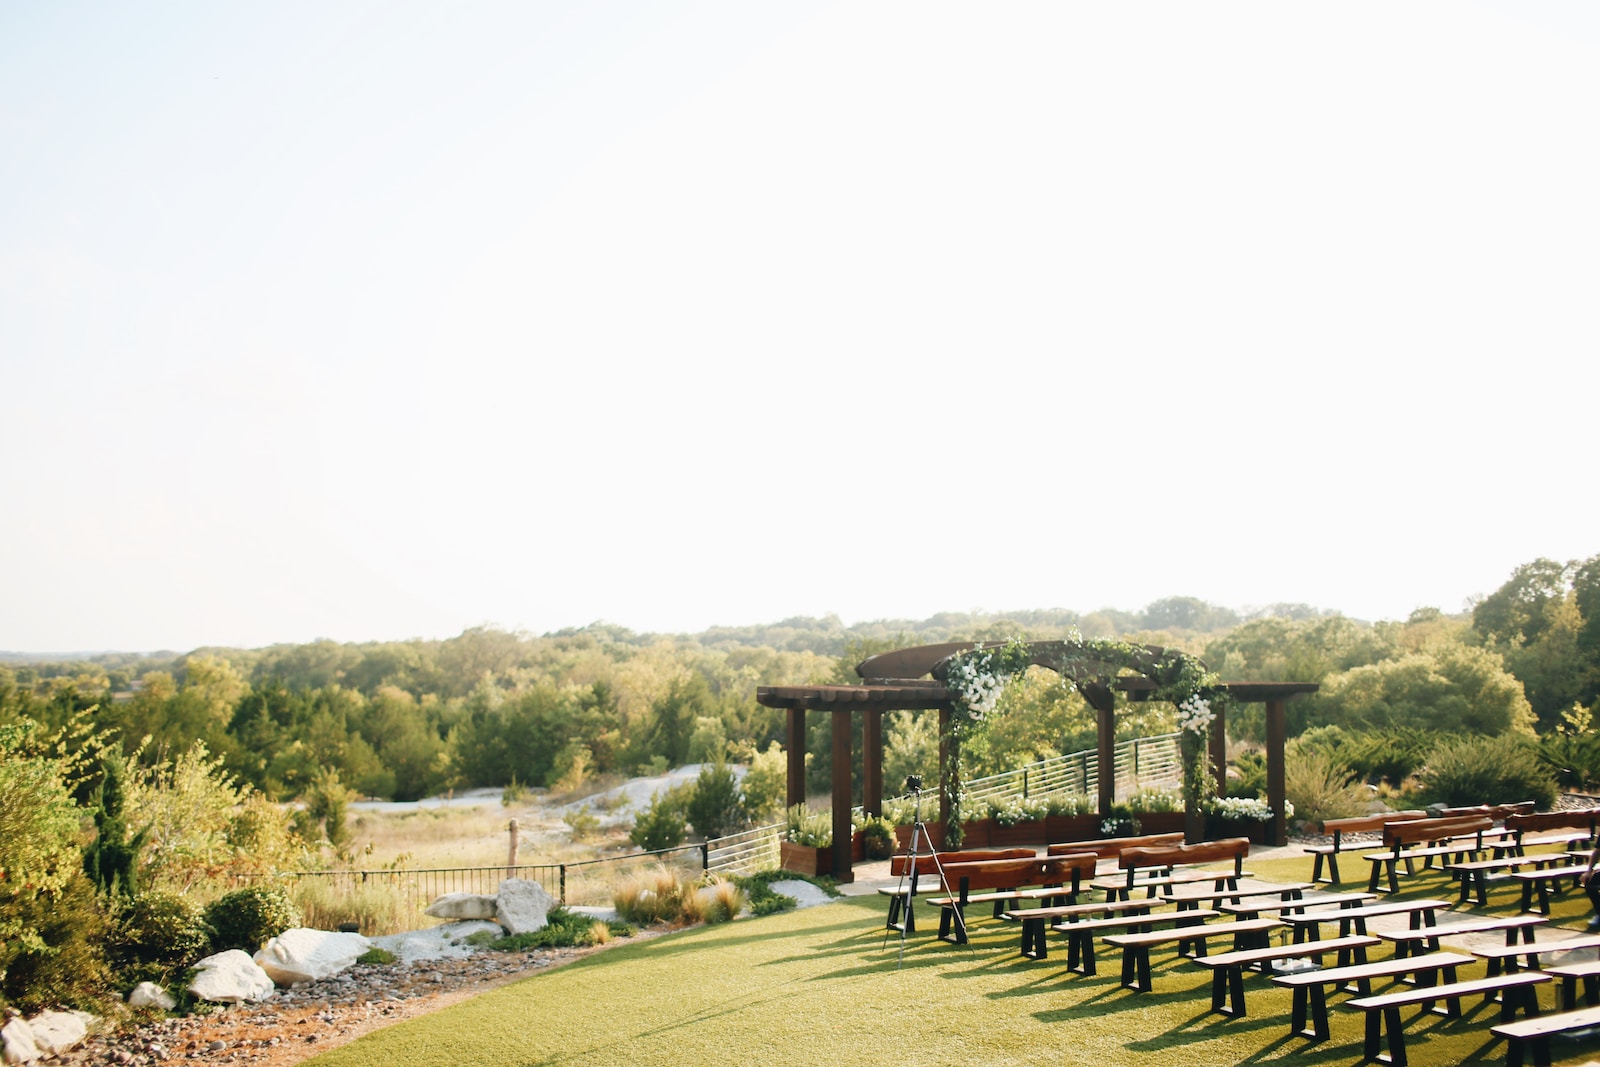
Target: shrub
x,y
1389,755
653,896
248,918
583,823
1071,804
64,964
661,825
1574,759
1153,800
161,932
877,837
376,905
1486,770
1251,779
1321,786
716,808
722,900
562,929
766,783
812,829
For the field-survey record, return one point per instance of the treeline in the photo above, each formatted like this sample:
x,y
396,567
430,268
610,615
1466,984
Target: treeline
x,y
488,708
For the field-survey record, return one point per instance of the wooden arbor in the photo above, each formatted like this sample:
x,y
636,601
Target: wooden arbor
x,y
898,680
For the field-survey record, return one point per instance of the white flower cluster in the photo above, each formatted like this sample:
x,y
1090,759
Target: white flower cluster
x,y
1194,715
1241,808
976,684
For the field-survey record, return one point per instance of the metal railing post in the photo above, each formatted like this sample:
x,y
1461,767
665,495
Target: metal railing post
x,y
563,883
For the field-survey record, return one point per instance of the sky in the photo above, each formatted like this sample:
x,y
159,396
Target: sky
x,y
369,321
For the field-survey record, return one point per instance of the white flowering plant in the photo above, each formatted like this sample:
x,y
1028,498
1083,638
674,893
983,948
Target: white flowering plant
x,y
1242,808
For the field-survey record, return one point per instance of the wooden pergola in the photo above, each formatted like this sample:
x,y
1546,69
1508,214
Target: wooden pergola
x,y
897,681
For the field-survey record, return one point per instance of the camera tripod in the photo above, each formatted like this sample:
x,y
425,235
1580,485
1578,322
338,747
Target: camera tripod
x,y
905,897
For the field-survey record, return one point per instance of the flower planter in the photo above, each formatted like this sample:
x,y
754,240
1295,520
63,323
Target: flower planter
x,y
902,837
804,859
858,847
975,833
1254,829
1160,822
1071,828
1031,832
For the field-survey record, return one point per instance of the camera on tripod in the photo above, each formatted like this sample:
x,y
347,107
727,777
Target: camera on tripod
x,y
913,783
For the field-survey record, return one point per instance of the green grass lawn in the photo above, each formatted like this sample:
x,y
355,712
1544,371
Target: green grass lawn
x,y
821,986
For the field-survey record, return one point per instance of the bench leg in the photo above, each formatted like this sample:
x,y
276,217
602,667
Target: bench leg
x,y
1397,1038
1219,990
1316,868
1591,990
1235,991
1333,868
953,918
1033,939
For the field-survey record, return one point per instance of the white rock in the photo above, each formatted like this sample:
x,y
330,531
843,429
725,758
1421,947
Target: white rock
x,y
522,906
445,941
55,1032
229,977
16,1042
303,955
150,995
461,906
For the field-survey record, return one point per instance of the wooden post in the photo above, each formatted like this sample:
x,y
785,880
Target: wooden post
x,y
511,857
872,761
795,792
1106,743
1219,746
1277,736
944,761
840,726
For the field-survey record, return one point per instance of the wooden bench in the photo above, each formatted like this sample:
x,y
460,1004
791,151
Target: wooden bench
x,y
1418,839
1063,873
1227,968
928,865
1250,910
1035,920
1565,828
1475,874
1310,987
1111,847
1516,990
1081,934
1415,941
1570,973
1360,824
1354,920
1533,1035
1136,947
1540,881
1288,893
1151,868
1506,955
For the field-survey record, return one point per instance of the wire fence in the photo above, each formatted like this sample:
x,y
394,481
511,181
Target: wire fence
x,y
1139,763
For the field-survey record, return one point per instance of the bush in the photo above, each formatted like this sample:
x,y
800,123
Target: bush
x,y
1321,786
661,825
716,808
1574,759
1251,779
1389,755
653,896
1486,770
65,963
160,932
376,905
1154,800
812,829
877,837
249,918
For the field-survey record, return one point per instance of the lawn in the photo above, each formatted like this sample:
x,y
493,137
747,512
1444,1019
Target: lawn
x,y
822,986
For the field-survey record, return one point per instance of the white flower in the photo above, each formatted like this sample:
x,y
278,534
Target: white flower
x,y
1195,715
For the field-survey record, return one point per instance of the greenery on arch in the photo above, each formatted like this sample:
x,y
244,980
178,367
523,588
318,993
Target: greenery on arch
x,y
978,676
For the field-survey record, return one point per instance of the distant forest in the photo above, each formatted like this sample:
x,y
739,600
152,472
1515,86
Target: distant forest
x,y
406,719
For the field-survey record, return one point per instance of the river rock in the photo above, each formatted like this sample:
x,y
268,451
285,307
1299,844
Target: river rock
x,y
462,906
55,1032
16,1042
150,995
230,977
522,906
304,955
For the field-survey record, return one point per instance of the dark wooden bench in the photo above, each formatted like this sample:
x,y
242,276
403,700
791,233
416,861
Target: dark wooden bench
x,y
1311,987
1541,881
1034,921
1417,940
1307,924
1525,1035
1111,847
1475,874
1153,868
1506,955
1415,839
1570,973
927,866
1227,968
1250,909
1006,877
1576,826
1359,824
1516,990
1081,934
1246,933
1288,893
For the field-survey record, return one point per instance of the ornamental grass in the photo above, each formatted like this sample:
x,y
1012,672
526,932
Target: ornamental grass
x,y
823,986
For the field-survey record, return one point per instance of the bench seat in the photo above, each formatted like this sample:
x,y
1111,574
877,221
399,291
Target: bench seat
x,y
1136,947
1570,973
1516,990
1506,956
1343,900
1081,934
1035,920
1227,968
1540,882
1310,987
1415,940
1533,1034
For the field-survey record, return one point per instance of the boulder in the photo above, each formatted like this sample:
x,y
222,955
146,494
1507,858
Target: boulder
x,y
302,955
461,906
16,1042
230,977
150,995
522,906
55,1032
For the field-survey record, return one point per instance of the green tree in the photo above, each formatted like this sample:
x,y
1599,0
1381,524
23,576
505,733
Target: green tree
x,y
1450,688
717,807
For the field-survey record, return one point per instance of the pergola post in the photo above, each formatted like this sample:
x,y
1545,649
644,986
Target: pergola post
x,y
1106,738
840,727
1277,736
944,761
795,790
872,761
1219,747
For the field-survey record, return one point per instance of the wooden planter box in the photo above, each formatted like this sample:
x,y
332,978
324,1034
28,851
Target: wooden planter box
x,y
975,833
1024,833
1254,829
902,837
1160,822
804,859
1071,828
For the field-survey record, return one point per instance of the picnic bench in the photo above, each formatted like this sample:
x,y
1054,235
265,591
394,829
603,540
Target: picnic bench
x,y
1153,868
1359,824
927,865
1246,933
1061,875
1250,909
1570,973
1515,989
1310,988
1533,1035
1414,839
1227,968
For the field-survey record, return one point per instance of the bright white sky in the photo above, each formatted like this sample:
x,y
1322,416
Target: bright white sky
x,y
378,320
